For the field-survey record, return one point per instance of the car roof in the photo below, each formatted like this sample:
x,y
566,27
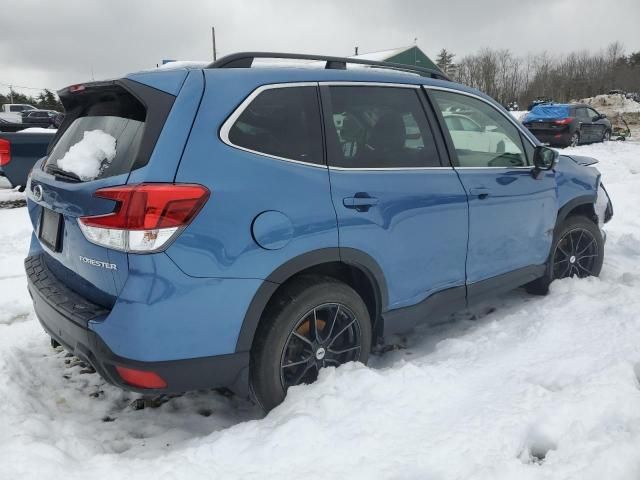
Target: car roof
x,y
258,76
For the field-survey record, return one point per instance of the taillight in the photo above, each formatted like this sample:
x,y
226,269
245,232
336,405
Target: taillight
x,y
141,378
5,152
563,121
146,217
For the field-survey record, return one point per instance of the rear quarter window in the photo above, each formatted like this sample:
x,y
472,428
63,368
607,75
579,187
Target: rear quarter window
x,y
283,122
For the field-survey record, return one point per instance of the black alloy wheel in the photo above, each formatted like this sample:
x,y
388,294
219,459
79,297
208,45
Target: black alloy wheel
x,y
577,250
312,323
576,254
326,336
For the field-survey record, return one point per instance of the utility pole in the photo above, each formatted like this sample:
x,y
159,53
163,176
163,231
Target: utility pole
x,y
213,37
356,51
10,93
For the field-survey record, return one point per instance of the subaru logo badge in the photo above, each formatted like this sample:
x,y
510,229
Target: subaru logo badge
x,y
37,193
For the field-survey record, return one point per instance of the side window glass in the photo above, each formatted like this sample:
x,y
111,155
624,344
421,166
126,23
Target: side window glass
x,y
283,122
592,114
378,127
582,114
485,137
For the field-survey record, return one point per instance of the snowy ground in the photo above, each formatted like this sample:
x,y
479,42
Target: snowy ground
x,y
521,388
9,198
519,114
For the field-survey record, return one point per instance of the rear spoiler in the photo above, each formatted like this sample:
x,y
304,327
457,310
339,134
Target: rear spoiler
x,y
157,103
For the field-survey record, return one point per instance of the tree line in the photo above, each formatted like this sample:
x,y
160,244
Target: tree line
x,y
508,77
45,100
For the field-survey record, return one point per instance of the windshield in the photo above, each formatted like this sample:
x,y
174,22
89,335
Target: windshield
x,y
103,140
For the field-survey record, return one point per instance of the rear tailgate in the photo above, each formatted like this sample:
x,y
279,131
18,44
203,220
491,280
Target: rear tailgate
x,y
110,130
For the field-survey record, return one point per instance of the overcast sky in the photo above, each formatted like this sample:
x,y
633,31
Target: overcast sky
x,y
52,44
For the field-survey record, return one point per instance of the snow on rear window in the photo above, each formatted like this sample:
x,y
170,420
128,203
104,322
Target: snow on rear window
x,y
90,156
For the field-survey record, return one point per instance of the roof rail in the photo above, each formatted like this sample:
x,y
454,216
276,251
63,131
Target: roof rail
x,y
245,60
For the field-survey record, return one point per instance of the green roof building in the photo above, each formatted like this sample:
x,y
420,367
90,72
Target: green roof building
x,y
404,55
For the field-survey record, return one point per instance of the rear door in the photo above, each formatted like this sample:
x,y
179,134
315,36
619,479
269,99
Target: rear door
x,y
394,199
511,213
108,133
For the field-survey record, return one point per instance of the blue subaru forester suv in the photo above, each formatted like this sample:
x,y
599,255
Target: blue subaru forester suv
x,y
245,227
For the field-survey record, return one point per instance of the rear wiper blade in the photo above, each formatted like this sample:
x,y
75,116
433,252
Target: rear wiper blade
x,y
58,172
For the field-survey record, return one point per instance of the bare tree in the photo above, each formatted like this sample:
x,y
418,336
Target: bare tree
x,y
576,75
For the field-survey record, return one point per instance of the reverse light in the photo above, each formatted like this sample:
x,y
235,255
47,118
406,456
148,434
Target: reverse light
x,y
563,121
5,152
146,217
141,378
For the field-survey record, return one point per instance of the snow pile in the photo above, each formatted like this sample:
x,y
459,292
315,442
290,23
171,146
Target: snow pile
x,y
518,114
89,156
522,387
612,104
9,194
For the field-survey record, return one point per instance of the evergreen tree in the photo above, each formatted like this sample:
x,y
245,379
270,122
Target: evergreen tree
x,y
46,100
445,61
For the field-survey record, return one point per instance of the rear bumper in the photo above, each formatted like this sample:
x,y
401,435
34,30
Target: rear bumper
x,y
66,317
552,137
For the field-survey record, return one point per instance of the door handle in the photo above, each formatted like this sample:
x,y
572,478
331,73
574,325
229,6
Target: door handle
x,y
479,192
361,202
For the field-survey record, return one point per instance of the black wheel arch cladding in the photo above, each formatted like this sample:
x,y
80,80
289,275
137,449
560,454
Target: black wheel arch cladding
x,y
297,265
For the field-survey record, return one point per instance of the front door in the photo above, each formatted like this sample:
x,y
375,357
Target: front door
x,y
587,127
511,214
394,200
598,127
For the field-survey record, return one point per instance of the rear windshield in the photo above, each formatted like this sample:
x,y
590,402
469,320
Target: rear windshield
x,y
104,137
543,112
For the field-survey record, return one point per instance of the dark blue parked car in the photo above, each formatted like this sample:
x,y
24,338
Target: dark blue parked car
x,y
249,226
567,125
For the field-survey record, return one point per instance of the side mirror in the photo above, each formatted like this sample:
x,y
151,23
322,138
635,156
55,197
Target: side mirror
x,y
544,158
602,115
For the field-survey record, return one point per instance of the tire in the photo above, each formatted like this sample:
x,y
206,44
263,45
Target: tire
x,y
572,254
287,350
606,136
574,140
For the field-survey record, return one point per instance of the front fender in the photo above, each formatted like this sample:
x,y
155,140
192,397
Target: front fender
x,y
577,184
567,208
